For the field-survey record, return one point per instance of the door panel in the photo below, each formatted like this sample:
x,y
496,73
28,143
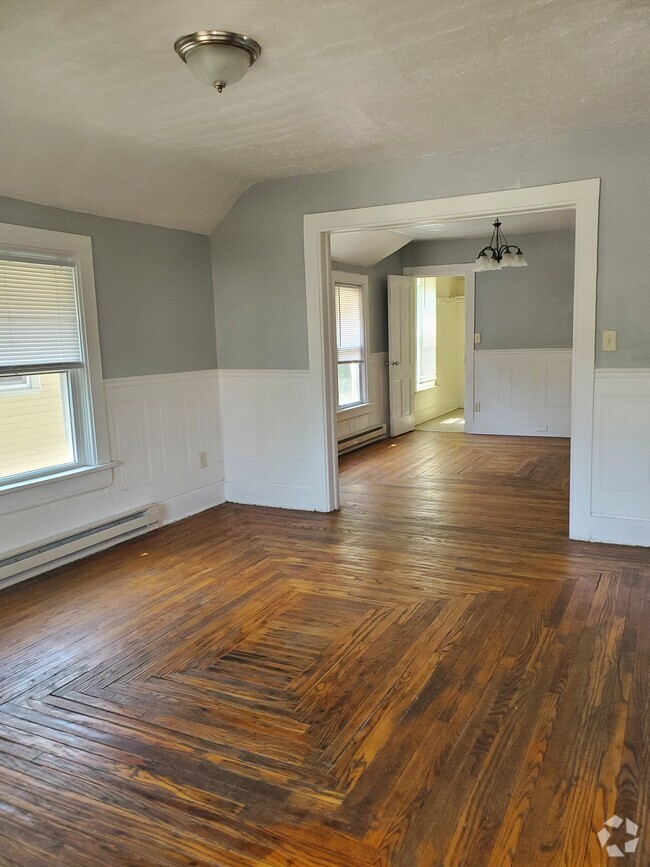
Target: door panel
x,y
401,353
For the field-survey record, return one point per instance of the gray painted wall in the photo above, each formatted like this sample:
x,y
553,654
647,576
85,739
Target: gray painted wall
x,y
257,249
377,296
154,290
516,308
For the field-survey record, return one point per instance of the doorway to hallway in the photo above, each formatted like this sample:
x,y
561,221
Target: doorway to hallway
x,y
430,343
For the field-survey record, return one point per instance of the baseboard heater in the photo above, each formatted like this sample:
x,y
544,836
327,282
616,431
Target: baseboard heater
x,y
22,564
362,438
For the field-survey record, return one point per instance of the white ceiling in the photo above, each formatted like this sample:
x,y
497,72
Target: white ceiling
x,y
366,248
99,114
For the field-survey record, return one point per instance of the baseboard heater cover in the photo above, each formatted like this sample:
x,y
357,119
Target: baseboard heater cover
x,y
362,438
21,564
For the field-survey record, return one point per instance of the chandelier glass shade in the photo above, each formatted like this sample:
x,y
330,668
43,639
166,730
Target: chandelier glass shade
x,y
217,57
499,253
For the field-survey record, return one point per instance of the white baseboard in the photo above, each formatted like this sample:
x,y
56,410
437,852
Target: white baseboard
x,y
620,531
427,414
276,496
192,502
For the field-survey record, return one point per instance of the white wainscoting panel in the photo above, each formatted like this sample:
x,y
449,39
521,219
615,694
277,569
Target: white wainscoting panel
x,y
523,392
270,451
157,427
620,494
376,411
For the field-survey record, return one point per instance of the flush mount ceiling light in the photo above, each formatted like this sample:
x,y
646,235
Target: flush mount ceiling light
x,y
217,57
498,254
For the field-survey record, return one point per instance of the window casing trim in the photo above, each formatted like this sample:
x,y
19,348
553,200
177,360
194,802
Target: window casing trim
x,y
360,280
92,437
426,385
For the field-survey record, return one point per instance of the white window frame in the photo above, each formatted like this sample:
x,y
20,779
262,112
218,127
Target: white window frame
x,y
425,384
92,471
32,382
364,406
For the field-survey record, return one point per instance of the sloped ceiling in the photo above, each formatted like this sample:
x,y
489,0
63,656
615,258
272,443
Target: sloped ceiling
x,y
366,248
99,115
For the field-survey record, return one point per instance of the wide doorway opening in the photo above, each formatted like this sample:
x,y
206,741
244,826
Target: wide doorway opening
x,y
448,348
500,395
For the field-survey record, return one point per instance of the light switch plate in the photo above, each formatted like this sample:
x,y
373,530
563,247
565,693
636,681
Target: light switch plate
x,y
477,337
609,341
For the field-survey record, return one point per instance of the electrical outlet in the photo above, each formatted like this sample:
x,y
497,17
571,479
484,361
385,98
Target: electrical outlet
x,y
477,406
203,460
477,337
609,341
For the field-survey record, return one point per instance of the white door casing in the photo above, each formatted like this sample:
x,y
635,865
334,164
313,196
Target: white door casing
x,y
466,271
401,353
583,196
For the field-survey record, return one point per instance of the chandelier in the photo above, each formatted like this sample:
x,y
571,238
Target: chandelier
x,y
498,253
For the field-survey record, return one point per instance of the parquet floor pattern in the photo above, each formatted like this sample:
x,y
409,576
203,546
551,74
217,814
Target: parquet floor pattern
x,y
435,675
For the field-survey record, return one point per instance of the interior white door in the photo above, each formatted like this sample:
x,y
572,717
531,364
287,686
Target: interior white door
x,y
401,353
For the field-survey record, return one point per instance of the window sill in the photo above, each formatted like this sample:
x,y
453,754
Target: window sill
x,y
427,387
28,493
354,411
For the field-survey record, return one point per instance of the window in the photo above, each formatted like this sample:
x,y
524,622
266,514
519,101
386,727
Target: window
x,y
351,350
49,402
19,384
426,332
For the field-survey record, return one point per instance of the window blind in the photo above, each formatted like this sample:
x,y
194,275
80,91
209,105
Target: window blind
x,y
349,323
39,316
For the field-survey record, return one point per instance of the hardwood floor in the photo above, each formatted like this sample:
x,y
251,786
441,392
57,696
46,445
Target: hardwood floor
x,y
435,675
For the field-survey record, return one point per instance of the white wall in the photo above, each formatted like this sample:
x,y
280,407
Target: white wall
x,y
158,425
523,392
620,498
269,448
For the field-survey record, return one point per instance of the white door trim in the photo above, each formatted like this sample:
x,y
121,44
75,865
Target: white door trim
x,y
465,270
583,196
402,353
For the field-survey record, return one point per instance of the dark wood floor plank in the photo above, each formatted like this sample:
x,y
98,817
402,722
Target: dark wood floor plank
x,y
434,675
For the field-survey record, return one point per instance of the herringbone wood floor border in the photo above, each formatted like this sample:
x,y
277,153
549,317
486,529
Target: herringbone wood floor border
x,y
435,675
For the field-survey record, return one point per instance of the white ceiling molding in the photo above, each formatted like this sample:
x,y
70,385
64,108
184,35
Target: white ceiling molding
x,y
515,224
367,248
98,115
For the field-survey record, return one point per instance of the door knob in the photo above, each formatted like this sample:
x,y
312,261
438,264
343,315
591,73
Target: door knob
x,y
393,363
